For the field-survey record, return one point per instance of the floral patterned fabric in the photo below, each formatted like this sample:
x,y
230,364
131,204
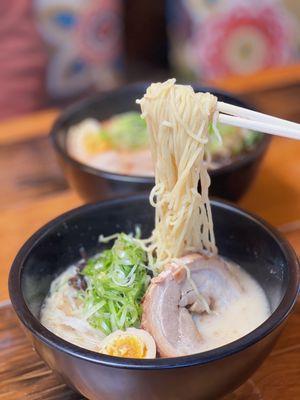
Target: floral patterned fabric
x,y
56,50
217,38
83,38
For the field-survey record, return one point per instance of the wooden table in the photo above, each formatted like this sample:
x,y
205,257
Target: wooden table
x,y
33,191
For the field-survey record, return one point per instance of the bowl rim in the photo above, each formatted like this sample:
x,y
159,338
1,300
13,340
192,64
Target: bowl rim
x,y
73,109
50,339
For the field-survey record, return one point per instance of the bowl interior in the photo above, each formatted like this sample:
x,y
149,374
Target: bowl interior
x,y
239,236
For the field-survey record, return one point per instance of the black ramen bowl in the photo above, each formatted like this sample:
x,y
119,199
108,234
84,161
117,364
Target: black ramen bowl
x,y
242,237
230,181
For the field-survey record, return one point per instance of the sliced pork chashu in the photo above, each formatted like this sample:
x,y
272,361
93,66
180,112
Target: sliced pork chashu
x,y
170,302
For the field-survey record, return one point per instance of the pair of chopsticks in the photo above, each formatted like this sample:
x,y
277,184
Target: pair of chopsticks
x,y
256,121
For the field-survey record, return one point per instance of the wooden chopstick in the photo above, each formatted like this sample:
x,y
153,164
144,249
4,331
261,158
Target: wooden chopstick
x,y
244,118
259,126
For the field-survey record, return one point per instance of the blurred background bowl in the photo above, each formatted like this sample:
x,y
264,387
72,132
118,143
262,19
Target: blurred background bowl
x,y
269,259
229,182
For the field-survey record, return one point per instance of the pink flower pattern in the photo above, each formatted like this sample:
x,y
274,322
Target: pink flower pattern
x,y
240,38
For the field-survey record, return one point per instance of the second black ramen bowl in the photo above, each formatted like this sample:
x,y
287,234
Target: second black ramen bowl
x,y
241,237
229,182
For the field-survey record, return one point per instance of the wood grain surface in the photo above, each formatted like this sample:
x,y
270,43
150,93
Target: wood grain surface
x,y
24,376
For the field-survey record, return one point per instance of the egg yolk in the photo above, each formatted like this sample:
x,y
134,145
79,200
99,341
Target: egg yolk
x,y
126,346
94,144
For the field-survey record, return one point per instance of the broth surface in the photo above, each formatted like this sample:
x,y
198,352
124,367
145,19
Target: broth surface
x,y
62,313
125,150
241,317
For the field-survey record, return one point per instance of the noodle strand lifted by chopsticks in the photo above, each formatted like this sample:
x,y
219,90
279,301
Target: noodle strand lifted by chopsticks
x,y
178,121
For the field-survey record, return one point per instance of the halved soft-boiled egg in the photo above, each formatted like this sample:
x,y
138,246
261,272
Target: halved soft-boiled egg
x,y
85,139
132,343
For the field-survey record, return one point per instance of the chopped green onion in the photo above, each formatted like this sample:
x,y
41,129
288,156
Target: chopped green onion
x,y
116,282
128,131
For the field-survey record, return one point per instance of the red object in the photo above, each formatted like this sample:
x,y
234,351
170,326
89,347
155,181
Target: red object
x,y
242,40
23,60
99,31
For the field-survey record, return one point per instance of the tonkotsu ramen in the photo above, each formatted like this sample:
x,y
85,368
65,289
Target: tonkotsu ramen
x,y
120,144
171,294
